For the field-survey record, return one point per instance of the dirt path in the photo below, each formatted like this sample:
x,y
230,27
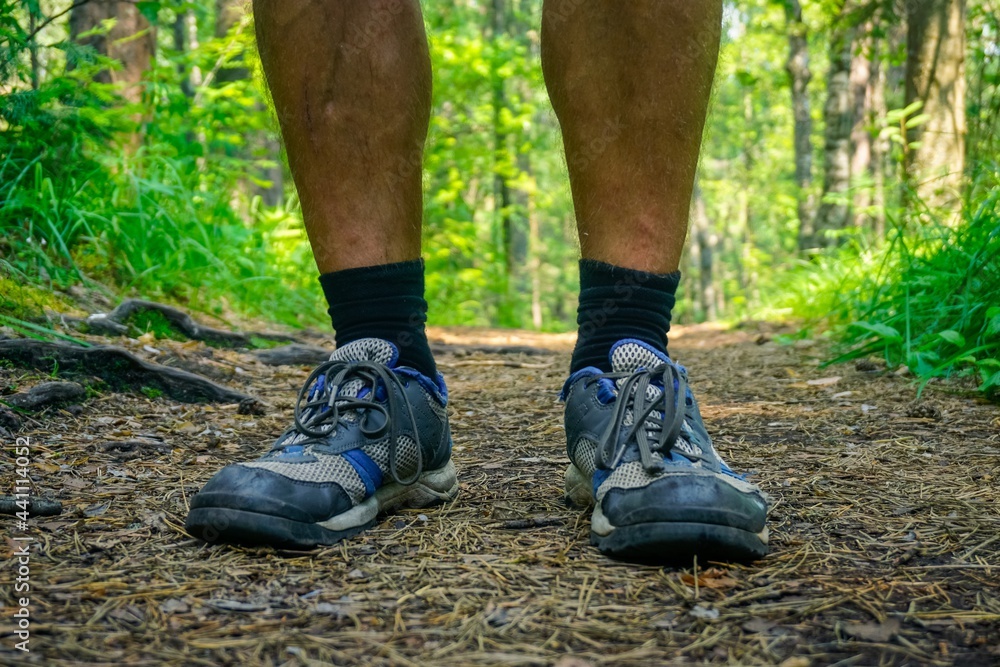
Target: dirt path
x,y
884,529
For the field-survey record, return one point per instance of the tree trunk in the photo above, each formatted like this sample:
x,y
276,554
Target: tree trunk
x,y
33,16
502,215
880,144
935,75
228,13
131,41
180,29
535,263
703,258
861,134
799,75
833,214
744,235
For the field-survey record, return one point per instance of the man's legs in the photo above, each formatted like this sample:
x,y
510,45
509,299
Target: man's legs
x,y
630,83
351,84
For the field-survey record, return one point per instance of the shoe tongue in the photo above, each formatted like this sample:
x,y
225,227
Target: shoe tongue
x,y
368,349
364,349
629,355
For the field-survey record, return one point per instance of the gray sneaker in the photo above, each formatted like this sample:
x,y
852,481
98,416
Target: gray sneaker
x,y
640,454
369,436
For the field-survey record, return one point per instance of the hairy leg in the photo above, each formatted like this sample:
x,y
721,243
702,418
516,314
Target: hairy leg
x,y
630,84
351,83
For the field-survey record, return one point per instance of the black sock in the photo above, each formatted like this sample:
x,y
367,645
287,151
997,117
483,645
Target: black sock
x,y
617,303
385,301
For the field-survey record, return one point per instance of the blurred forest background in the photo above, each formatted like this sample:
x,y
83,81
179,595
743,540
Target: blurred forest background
x,y
849,179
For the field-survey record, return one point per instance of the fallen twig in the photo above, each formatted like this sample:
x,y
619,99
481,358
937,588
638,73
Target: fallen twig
x,y
295,354
533,522
492,362
36,506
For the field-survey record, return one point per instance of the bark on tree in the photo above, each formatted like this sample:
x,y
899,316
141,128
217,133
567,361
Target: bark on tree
x,y
702,254
862,140
833,214
228,13
131,41
747,269
510,241
33,16
535,263
181,46
880,144
935,75
799,75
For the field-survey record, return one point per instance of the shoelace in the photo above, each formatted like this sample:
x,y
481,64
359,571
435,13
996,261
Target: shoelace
x,y
632,396
320,416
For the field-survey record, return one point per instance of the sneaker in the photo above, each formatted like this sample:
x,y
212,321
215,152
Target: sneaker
x,y
641,456
369,436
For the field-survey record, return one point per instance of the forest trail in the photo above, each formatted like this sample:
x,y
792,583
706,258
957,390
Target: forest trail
x,y
883,527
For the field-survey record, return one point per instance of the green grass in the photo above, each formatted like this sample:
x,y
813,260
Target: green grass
x,y
153,321
927,298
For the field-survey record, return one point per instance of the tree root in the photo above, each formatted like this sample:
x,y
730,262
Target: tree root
x,y
117,322
118,367
45,394
294,355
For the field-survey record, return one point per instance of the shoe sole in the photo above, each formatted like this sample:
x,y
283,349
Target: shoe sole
x,y
663,542
214,524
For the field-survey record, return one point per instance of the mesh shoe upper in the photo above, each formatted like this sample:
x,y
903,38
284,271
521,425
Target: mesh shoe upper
x,y
360,422
639,424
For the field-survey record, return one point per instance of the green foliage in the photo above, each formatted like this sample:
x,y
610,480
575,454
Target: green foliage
x,y
151,392
928,299
265,343
943,309
153,321
98,190
36,331
491,124
168,196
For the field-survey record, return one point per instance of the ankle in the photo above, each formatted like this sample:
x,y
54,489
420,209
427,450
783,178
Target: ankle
x,y
618,303
384,301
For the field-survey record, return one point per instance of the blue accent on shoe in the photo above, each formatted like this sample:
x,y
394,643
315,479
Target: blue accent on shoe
x,y
599,477
571,380
367,470
606,393
437,389
726,470
318,387
443,388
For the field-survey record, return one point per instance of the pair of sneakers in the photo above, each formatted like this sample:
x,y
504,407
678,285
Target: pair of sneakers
x,y
370,436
